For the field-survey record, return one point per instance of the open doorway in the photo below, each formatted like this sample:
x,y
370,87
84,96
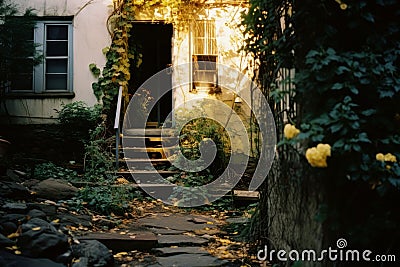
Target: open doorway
x,y
154,42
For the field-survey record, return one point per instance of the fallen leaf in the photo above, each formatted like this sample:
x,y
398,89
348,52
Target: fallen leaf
x,y
120,254
36,228
13,235
17,252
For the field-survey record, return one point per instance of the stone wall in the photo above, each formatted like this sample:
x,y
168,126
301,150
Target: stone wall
x,y
289,210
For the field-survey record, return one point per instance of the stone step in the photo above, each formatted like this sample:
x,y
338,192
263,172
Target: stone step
x,y
146,174
149,132
145,160
180,240
174,250
139,240
242,195
195,260
143,164
153,152
139,141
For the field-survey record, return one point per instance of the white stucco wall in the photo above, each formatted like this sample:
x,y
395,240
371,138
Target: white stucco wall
x,y
90,36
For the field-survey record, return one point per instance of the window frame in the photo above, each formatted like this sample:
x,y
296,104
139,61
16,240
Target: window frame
x,y
209,45
39,71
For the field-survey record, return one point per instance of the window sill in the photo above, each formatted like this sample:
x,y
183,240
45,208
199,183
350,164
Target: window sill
x,y
39,95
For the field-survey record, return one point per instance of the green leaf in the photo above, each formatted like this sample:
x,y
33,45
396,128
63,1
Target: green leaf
x,y
395,182
340,70
385,93
337,86
368,112
336,127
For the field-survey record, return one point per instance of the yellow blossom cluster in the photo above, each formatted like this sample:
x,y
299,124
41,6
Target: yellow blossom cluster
x,y
316,156
387,158
290,131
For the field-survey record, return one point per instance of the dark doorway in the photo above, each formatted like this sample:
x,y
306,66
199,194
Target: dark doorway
x,y
153,42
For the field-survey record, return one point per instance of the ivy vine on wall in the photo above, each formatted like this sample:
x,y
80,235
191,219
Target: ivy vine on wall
x,y
120,55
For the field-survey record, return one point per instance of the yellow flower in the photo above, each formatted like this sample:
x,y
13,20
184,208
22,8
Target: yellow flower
x,y
390,157
290,131
343,6
325,149
380,157
316,156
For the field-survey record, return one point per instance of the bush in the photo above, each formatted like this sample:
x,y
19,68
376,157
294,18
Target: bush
x,y
77,119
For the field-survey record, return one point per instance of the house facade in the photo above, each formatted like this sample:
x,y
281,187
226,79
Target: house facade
x,y
72,35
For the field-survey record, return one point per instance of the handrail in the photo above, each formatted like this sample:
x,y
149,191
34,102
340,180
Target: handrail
x,y
117,128
118,110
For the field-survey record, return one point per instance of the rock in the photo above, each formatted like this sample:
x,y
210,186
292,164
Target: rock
x,y
31,182
15,207
12,176
55,189
35,213
103,222
180,240
40,239
117,242
81,262
195,260
65,258
96,253
11,260
49,209
8,228
178,222
15,218
13,190
169,251
37,222
5,242
75,220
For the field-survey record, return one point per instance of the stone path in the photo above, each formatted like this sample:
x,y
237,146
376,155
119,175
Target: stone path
x,y
181,239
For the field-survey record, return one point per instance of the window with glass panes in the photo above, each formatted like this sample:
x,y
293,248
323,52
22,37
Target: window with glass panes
x,y
54,73
204,49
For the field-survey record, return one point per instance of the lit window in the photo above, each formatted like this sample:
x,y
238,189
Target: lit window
x,y
204,55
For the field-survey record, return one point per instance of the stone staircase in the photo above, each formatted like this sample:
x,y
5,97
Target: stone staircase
x,y
143,159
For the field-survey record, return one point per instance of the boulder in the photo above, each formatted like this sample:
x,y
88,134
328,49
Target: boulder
x,y
5,242
55,189
13,190
11,260
35,213
40,239
75,219
14,218
81,262
8,228
96,253
15,207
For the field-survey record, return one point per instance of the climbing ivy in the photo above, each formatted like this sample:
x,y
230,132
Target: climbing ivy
x,y
120,55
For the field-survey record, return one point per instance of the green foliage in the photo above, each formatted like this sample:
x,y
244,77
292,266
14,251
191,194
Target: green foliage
x,y
50,170
346,56
354,95
107,199
77,119
17,55
195,131
98,158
